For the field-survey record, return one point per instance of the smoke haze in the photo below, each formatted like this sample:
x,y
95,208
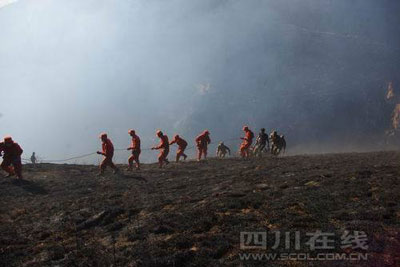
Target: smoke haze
x,y
315,70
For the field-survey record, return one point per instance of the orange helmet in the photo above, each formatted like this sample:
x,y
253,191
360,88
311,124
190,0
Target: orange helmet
x,y
103,135
8,139
159,133
131,132
245,128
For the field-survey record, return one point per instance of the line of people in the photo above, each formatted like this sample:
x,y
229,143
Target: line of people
x,y
202,142
12,152
262,144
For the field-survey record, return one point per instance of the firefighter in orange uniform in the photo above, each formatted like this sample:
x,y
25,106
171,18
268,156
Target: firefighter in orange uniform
x,y
11,156
163,146
182,144
202,142
247,141
108,153
135,147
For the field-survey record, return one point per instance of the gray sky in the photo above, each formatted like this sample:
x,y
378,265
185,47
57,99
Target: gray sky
x,y
72,69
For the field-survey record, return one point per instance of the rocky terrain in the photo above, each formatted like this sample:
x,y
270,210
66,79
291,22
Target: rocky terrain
x,y
192,214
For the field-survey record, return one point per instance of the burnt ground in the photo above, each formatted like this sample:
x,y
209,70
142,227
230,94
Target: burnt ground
x,y
191,214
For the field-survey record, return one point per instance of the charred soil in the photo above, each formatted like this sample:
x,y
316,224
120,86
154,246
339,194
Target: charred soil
x,y
192,213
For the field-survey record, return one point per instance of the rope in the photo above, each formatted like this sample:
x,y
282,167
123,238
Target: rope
x,y
68,159
118,149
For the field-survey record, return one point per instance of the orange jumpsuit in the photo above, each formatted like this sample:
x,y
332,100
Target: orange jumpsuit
x,y
164,150
202,141
108,153
182,144
135,147
247,141
12,156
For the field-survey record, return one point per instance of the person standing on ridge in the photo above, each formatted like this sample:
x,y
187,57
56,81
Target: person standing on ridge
x,y
182,144
33,158
202,142
247,141
108,153
163,146
135,147
11,156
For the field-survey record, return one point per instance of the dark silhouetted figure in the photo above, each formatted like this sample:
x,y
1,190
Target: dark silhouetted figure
x,y
33,158
222,150
278,143
262,143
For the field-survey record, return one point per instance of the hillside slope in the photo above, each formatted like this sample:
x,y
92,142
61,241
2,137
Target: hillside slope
x,y
192,213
